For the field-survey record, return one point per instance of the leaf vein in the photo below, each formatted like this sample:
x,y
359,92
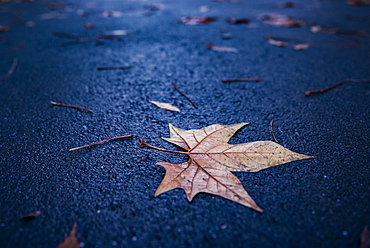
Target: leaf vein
x,y
224,127
218,182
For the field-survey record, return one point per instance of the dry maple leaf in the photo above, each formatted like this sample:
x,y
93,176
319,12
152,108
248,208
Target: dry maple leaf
x,y
211,160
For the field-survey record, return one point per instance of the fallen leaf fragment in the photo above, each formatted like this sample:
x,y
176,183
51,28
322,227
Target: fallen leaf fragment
x,y
301,46
111,13
365,238
235,21
358,2
221,49
278,20
277,43
212,159
315,28
71,241
283,42
337,31
31,216
118,32
196,20
165,106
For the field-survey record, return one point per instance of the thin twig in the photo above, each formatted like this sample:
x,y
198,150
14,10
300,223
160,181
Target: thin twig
x,y
100,142
241,80
177,89
307,93
272,131
11,69
114,67
69,106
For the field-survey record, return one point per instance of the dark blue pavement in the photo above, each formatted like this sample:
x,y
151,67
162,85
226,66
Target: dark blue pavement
x,y
109,189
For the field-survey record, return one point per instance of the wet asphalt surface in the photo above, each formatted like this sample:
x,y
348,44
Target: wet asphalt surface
x,y
108,190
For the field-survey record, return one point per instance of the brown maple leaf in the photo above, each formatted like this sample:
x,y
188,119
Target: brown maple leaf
x,y
71,241
211,160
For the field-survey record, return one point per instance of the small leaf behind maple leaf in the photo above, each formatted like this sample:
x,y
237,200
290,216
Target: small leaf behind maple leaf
x,y
165,106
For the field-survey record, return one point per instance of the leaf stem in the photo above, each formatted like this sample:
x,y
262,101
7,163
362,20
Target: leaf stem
x,y
144,144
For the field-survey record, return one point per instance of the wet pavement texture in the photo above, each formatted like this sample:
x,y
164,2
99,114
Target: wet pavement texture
x,y
108,190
